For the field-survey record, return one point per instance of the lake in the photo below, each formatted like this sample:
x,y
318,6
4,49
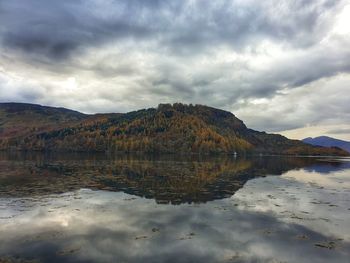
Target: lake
x,y
100,208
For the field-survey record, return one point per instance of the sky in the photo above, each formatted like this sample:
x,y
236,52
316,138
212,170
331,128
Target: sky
x,y
280,66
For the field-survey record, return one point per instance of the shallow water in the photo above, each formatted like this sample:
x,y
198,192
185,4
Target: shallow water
x,y
96,208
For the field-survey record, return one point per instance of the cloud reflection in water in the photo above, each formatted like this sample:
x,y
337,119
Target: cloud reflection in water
x,y
270,219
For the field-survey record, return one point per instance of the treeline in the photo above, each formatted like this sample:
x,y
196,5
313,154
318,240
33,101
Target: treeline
x,y
165,130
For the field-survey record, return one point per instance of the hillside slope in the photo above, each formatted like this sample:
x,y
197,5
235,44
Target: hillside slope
x,y
20,119
169,128
326,141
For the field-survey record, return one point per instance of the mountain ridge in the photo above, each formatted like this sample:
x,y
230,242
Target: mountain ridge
x,y
169,128
327,141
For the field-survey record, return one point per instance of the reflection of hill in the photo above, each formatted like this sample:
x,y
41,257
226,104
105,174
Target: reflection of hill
x,y
165,179
177,182
331,166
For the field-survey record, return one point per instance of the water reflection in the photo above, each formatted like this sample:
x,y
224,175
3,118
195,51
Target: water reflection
x,y
167,179
93,209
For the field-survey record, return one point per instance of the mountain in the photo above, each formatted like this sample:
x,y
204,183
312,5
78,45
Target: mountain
x,y
328,142
176,128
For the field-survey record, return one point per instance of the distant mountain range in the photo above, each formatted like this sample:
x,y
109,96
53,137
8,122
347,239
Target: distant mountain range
x,y
177,128
328,142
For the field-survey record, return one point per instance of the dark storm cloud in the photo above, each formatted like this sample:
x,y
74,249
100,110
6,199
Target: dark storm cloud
x,y
57,28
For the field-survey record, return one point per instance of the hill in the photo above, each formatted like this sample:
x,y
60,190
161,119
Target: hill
x,y
176,128
18,120
328,142
21,119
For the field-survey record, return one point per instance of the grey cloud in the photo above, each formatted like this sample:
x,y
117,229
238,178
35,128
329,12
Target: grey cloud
x,y
294,72
57,29
28,96
212,23
324,102
276,122
339,131
107,71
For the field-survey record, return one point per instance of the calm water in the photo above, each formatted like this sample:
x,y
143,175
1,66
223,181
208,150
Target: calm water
x,y
95,208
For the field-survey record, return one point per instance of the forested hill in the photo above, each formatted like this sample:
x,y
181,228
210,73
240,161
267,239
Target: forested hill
x,y
21,119
176,128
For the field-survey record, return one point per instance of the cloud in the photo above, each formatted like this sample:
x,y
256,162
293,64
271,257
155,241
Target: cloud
x,y
322,102
59,28
339,131
258,59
